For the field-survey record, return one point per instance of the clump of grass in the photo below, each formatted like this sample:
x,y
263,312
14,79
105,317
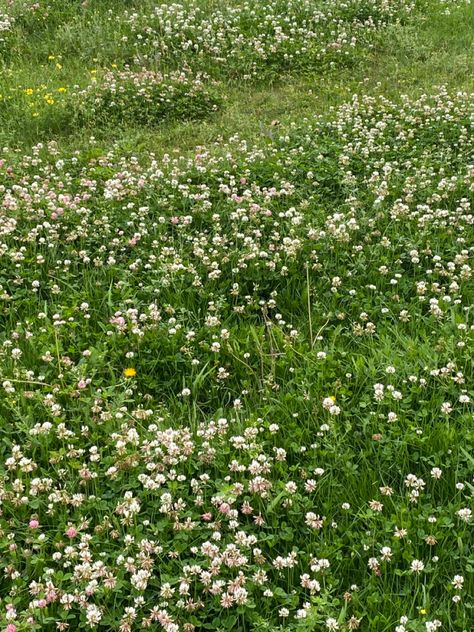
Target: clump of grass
x,y
145,98
110,99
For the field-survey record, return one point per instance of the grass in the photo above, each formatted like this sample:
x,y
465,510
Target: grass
x,y
410,60
235,341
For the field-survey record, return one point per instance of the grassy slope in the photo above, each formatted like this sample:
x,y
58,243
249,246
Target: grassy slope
x,y
439,51
412,61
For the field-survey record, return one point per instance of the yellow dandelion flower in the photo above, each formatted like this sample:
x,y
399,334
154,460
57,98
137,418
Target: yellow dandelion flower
x,y
61,89
422,611
332,397
130,372
28,91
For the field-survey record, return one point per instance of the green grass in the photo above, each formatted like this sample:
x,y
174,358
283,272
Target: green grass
x,y
412,60
436,50
236,372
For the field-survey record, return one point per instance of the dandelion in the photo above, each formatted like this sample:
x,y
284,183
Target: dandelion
x,y
129,372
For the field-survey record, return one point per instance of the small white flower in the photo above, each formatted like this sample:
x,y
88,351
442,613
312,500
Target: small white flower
x,y
464,514
446,408
417,566
458,582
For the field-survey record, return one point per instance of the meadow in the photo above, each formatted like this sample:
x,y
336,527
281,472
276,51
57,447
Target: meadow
x,y
236,315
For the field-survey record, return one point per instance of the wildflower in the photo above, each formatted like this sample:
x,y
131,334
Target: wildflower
x,y
314,521
464,514
458,582
376,505
93,615
400,533
129,372
386,553
373,564
417,566
446,408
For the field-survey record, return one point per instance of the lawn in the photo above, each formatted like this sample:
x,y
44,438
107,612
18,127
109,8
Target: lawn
x,y
236,315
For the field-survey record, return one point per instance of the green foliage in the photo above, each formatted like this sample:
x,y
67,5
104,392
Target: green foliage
x,y
236,382
245,336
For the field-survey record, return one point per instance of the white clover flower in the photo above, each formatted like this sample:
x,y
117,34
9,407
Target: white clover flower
x,y
417,566
93,615
446,408
458,582
465,514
